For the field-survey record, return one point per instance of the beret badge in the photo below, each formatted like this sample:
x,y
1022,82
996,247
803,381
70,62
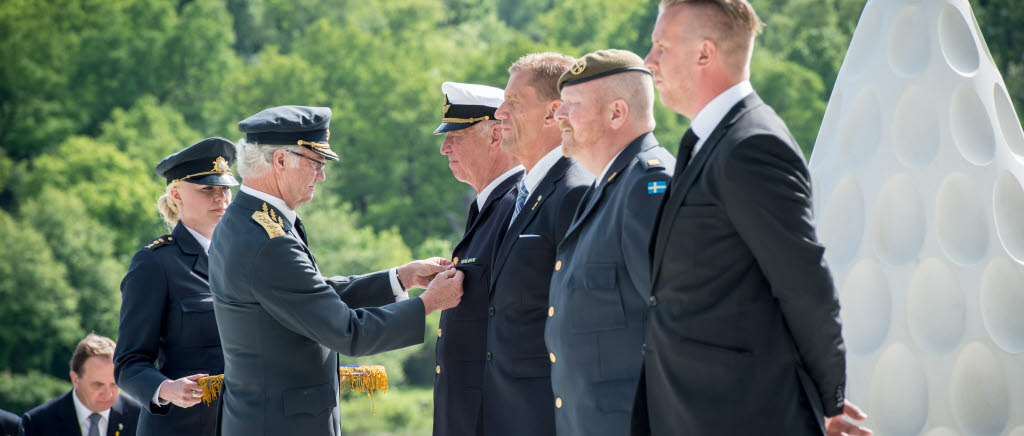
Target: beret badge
x,y
579,66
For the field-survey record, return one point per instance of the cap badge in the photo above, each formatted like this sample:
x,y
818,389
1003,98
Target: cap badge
x,y
446,105
579,66
328,138
221,165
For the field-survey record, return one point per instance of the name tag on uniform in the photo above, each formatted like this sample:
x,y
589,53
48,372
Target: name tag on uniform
x,y
657,187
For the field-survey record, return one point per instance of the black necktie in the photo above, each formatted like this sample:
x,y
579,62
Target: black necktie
x,y
474,210
685,150
302,230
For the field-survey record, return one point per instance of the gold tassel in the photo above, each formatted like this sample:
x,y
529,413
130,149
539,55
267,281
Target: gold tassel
x,y
211,387
366,379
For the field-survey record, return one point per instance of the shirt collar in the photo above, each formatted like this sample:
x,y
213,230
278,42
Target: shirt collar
x,y
82,412
534,176
279,204
200,239
709,117
481,198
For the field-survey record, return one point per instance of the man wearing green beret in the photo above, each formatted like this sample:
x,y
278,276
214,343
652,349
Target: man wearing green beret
x,y
598,298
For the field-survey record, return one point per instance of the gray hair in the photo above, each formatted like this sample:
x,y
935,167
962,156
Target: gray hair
x,y
254,158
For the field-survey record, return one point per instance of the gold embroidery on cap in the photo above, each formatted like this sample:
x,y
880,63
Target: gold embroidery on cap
x,y
324,147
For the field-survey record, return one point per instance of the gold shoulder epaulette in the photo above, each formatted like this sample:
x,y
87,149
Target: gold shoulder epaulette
x,y
270,222
163,240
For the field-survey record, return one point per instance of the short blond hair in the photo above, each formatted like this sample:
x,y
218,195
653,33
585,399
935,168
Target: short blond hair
x,y
92,345
546,67
731,24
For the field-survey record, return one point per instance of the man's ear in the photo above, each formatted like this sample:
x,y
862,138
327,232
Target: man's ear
x,y
619,112
549,119
278,160
708,52
496,135
74,379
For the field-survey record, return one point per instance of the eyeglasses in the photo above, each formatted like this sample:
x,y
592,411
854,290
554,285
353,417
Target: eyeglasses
x,y
318,165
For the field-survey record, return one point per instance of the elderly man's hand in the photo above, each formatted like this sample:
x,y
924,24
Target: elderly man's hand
x,y
444,292
419,273
183,392
837,426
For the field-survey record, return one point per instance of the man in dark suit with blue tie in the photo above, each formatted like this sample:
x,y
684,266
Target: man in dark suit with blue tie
x,y
94,407
517,397
472,144
743,323
599,296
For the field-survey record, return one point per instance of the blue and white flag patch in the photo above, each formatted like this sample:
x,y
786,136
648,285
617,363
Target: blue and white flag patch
x,y
657,187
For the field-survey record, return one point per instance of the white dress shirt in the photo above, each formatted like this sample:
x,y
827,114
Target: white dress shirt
x,y
712,114
82,413
290,215
481,198
534,176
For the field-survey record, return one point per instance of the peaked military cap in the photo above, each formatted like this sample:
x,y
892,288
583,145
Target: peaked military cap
x,y
207,162
291,125
600,64
467,104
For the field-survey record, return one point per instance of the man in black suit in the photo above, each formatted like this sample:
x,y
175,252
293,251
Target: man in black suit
x,y
93,407
517,397
743,323
472,144
599,296
10,424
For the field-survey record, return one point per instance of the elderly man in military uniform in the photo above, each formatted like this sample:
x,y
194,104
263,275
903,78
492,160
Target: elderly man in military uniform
x,y
281,321
472,144
599,296
517,398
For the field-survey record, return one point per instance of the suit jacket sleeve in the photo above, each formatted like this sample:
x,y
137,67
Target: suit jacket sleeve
x,y
288,286
766,192
143,296
638,219
367,290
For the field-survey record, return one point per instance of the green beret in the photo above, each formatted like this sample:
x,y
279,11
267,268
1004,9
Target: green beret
x,y
600,64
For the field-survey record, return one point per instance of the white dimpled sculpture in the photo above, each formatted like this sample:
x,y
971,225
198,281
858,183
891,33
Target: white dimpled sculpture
x,y
918,171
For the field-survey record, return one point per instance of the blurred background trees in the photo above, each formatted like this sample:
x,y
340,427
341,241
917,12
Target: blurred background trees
x,y
93,93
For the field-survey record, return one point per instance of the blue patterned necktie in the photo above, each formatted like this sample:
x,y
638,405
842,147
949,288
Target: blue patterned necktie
x,y
94,424
520,201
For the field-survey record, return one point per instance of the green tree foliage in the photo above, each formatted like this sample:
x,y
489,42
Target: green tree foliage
x,y
86,248
40,311
93,93
19,393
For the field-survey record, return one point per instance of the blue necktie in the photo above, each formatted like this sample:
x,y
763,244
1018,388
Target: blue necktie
x,y
520,201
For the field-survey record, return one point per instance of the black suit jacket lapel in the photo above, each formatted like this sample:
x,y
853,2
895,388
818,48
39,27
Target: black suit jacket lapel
x,y
68,419
116,416
529,212
682,182
189,245
497,194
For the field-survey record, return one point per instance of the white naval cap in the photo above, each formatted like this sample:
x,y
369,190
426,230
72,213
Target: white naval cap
x,y
466,104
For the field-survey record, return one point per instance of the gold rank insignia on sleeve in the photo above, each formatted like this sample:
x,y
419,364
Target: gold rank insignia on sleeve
x,y
270,222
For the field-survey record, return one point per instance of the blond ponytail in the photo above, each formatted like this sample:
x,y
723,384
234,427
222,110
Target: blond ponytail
x,y
168,208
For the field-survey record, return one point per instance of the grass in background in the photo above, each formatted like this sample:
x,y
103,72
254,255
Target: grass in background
x,y
402,411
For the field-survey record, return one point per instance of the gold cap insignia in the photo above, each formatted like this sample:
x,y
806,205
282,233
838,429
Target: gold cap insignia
x,y
446,105
221,165
579,66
